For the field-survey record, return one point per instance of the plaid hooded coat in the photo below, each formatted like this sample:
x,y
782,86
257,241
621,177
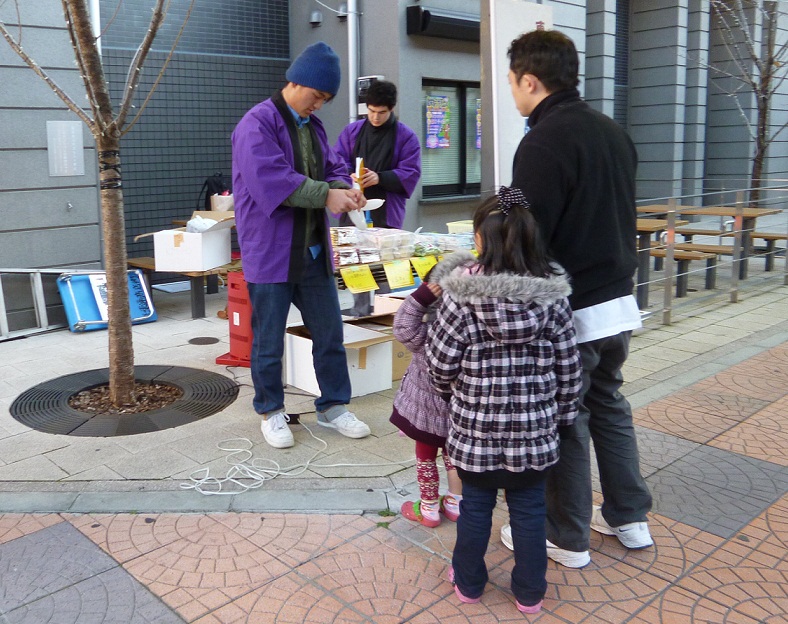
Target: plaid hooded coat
x,y
503,346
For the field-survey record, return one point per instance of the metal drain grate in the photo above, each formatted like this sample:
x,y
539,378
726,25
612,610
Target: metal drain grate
x,y
45,407
203,340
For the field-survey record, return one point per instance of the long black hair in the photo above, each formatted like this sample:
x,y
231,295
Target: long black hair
x,y
510,238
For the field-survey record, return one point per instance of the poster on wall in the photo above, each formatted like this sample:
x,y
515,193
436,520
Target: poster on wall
x,y
438,118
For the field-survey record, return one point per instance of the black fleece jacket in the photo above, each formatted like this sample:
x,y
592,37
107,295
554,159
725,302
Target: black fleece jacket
x,y
576,167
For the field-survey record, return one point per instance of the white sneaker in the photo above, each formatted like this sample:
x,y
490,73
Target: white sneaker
x,y
633,535
568,558
506,536
347,424
275,430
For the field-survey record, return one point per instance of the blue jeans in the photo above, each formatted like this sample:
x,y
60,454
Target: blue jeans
x,y
606,417
527,518
316,297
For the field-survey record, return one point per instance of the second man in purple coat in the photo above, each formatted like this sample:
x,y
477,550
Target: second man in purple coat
x,y
391,153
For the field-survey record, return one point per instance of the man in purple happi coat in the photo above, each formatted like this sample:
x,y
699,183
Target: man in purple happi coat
x,y
391,153
284,176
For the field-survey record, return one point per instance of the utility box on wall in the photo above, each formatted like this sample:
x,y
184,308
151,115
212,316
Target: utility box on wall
x,y
363,83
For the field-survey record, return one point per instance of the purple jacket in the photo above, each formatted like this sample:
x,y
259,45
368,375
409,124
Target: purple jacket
x,y
405,164
264,175
419,409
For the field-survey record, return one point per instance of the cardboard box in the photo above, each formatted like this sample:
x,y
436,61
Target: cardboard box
x,y
368,360
223,203
179,250
382,320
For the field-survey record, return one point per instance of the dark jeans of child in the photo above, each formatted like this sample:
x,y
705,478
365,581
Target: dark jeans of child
x,y
527,518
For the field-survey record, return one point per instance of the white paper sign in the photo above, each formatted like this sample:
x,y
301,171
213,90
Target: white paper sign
x,y
98,282
65,148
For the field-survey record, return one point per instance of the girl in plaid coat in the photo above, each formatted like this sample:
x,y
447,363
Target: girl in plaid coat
x,y
419,411
503,347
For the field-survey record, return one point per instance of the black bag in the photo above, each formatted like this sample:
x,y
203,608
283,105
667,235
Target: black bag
x,y
214,185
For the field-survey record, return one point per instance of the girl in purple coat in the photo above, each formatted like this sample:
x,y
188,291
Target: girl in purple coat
x,y
420,412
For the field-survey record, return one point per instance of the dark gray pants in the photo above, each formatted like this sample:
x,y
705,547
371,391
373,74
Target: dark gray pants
x,y
606,418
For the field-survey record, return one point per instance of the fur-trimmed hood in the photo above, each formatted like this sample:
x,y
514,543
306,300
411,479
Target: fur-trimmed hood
x,y
512,307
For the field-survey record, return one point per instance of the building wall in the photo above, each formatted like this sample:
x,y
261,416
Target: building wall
x,y
45,221
696,96
232,54
600,55
658,82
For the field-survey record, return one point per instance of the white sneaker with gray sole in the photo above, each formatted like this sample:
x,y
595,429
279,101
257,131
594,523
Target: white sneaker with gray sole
x,y
275,430
568,558
347,424
633,535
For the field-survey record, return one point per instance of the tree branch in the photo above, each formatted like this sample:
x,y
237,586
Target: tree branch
x,y
79,22
153,88
135,67
80,60
43,75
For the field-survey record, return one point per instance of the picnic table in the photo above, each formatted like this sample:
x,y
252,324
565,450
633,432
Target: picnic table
x,y
747,226
646,228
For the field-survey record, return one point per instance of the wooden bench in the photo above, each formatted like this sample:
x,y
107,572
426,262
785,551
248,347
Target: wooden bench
x,y
197,281
688,233
770,238
717,250
683,258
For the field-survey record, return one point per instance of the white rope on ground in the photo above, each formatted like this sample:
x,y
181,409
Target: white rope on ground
x,y
259,470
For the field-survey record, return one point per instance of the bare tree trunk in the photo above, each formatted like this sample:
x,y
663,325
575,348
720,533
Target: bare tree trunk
x,y
121,349
107,130
107,135
762,94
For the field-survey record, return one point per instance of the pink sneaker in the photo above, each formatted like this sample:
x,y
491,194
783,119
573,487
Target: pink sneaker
x,y
460,595
529,608
450,507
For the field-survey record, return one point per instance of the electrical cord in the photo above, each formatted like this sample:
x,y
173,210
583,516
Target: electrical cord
x,y
255,471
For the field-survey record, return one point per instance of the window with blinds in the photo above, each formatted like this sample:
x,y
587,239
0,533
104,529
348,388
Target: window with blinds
x,y
451,138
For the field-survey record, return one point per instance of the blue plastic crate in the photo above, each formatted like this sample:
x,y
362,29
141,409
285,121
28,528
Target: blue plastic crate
x,y
85,313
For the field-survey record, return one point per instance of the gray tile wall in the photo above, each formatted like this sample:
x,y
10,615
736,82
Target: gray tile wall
x,y
232,55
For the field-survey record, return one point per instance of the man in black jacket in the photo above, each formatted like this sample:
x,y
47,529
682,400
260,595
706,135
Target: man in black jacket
x,y
577,169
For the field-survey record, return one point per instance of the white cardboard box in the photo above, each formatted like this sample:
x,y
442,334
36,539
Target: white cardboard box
x,y
179,250
368,360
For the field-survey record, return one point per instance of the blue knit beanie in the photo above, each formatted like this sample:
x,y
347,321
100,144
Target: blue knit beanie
x,y
317,67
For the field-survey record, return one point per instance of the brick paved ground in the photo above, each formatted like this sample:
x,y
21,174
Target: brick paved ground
x,y
711,420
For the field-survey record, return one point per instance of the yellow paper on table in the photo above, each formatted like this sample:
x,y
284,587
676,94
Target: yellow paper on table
x,y
423,264
358,279
398,273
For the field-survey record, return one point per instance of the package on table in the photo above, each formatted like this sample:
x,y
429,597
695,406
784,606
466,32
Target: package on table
x,y
345,255
434,243
181,250
344,235
385,238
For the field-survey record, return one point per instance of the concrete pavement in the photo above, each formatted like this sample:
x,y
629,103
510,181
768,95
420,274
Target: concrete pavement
x,y
102,529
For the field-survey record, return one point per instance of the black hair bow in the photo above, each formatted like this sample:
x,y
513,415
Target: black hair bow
x,y
508,197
